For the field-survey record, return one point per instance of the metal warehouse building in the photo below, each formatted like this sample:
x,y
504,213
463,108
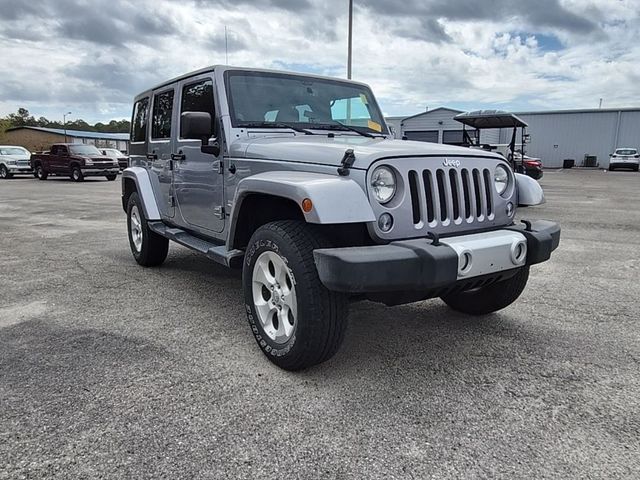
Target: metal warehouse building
x,y
39,138
555,135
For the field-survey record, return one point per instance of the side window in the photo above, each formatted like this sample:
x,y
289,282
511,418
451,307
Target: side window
x,y
198,97
139,120
54,150
62,150
162,111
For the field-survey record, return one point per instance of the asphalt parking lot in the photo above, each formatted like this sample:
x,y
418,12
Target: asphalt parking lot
x,y
111,370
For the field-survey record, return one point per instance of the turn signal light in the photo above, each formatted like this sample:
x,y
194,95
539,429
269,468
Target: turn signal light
x,y
307,205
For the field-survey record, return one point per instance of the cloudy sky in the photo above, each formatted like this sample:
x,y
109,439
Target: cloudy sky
x,y
92,56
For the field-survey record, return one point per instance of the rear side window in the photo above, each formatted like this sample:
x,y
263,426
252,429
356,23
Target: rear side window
x,y
162,111
139,121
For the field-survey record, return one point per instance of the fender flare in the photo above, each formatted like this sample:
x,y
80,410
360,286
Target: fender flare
x,y
335,199
143,186
529,191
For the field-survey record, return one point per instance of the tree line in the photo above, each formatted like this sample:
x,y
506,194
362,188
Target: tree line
x,y
22,118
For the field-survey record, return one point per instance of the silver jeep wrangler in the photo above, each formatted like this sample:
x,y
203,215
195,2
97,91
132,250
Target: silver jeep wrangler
x,y
296,179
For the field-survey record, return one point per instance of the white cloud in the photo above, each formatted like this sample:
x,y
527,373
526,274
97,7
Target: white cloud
x,y
550,54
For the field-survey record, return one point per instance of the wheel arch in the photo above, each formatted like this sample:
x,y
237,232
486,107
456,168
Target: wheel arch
x,y
272,196
136,179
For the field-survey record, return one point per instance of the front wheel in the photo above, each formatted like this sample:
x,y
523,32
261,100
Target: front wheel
x,y
76,174
111,178
148,248
489,299
296,321
4,172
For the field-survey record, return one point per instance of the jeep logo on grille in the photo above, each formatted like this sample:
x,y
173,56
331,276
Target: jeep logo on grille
x,y
449,162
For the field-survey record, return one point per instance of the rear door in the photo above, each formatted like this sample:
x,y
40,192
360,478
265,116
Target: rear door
x,y
160,147
198,179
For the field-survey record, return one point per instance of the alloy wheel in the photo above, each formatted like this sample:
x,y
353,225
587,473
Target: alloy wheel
x,y
274,296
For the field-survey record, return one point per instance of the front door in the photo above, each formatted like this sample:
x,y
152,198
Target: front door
x,y
160,148
198,179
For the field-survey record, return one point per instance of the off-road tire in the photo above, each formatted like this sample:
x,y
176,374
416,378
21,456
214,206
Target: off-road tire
x,y
321,320
489,299
40,173
76,174
154,247
111,178
4,173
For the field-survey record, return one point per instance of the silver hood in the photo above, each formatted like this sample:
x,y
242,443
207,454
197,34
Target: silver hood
x,y
330,151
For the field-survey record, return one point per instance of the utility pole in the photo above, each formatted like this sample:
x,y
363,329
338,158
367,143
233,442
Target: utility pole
x,y
64,122
350,48
600,106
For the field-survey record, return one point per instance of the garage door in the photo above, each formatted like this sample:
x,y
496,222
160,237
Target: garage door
x,y
423,136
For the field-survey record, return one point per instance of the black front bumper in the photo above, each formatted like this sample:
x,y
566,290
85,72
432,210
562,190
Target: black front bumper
x,y
414,264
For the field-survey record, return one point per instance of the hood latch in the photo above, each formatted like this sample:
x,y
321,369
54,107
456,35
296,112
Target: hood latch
x,y
347,161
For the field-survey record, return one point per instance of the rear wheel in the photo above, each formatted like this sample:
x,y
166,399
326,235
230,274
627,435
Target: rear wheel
x,y
489,299
296,321
76,174
4,172
111,178
40,173
148,248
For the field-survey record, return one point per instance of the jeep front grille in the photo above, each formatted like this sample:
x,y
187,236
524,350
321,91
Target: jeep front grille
x,y
443,196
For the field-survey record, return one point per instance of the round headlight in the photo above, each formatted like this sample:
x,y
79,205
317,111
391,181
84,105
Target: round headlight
x,y
501,179
383,183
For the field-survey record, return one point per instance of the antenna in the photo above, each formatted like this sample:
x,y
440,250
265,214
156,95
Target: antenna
x,y
226,46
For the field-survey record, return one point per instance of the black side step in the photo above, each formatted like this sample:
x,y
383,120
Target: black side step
x,y
216,252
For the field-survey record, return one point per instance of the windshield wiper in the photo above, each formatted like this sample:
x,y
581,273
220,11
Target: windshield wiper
x,y
276,125
336,125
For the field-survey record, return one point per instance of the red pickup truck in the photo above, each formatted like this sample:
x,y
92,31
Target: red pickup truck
x,y
74,160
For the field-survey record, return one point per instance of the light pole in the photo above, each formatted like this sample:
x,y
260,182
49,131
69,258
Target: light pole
x,y
64,125
349,54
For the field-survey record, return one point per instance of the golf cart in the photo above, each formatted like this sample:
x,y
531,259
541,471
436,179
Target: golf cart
x,y
492,119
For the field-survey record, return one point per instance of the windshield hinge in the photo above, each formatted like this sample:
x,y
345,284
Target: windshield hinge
x,y
347,161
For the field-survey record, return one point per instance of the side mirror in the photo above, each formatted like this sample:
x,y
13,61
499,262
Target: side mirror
x,y
197,125
611,154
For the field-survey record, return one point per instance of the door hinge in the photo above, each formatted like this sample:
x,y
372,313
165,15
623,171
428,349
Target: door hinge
x,y
219,212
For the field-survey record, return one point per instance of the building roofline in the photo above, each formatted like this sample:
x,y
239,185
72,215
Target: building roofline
x,y
433,110
75,133
580,110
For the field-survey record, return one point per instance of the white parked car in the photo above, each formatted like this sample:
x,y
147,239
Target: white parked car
x,y
625,158
14,160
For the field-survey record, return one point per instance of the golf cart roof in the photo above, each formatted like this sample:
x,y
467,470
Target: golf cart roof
x,y
490,119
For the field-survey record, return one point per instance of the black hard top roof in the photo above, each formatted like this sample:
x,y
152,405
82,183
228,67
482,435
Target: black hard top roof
x,y
490,119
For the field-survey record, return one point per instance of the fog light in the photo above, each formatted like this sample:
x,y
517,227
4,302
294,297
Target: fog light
x,y
385,222
510,209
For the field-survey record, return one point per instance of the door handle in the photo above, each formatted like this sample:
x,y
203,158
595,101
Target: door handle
x,y
152,156
178,156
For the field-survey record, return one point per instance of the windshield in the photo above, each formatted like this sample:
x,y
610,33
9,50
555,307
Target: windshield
x,y
13,151
84,150
259,99
626,151
111,152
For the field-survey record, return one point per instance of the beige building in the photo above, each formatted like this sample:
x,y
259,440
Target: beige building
x,y
36,139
